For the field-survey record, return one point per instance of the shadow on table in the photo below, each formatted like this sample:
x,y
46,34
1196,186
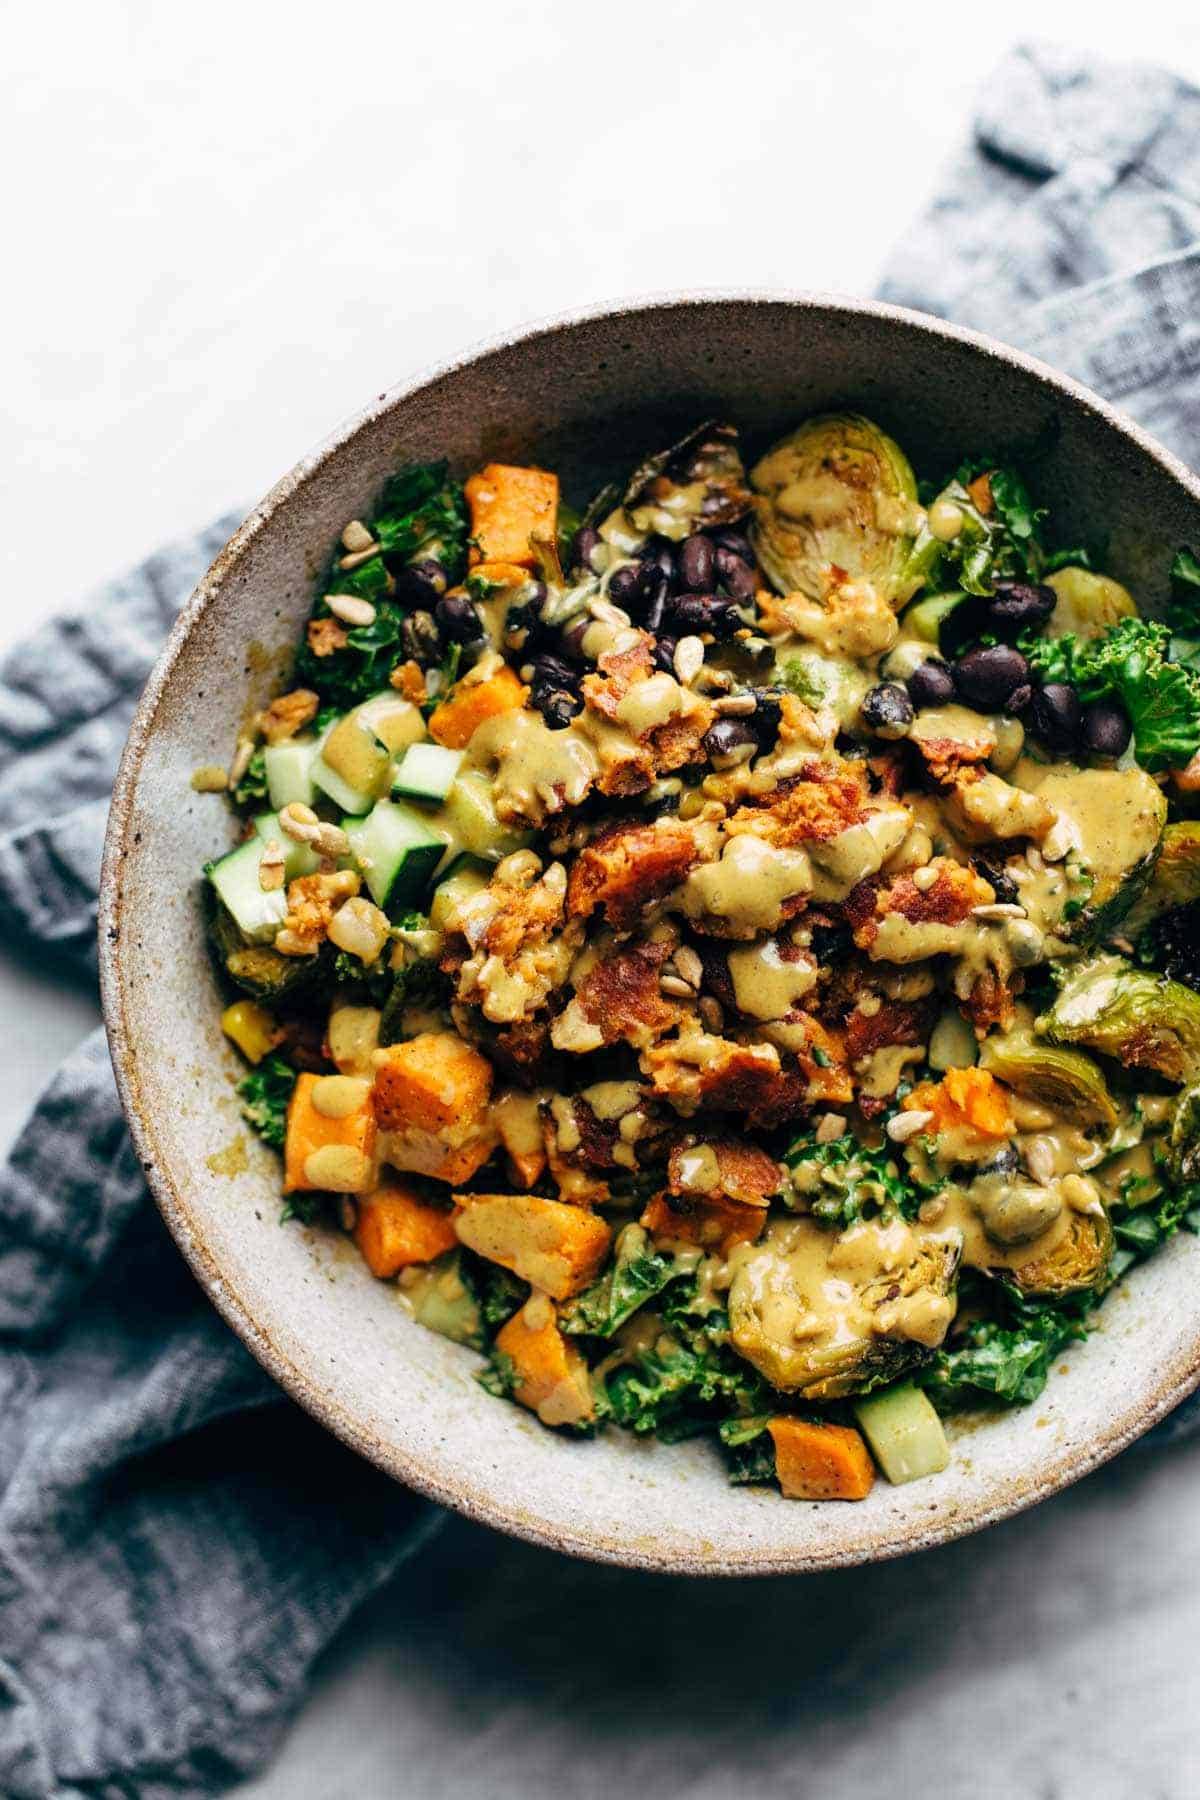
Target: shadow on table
x,y
545,1653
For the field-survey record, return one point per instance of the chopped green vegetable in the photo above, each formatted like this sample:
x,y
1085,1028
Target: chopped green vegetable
x,y
749,1449
843,1182
264,1094
251,790
904,1432
637,1273
1130,663
1006,1359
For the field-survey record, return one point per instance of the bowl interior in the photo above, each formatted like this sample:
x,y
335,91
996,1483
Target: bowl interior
x,y
585,398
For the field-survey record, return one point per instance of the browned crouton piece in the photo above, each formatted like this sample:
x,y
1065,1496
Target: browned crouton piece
x,y
619,999
628,866
948,899
821,803
724,1167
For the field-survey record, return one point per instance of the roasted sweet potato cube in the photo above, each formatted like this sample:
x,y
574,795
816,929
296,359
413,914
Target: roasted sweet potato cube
x,y
470,703
509,506
551,1245
430,1083
710,1222
330,1141
395,1227
551,1375
821,1462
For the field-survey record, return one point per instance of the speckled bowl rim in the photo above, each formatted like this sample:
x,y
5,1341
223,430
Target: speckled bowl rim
x,y
470,1496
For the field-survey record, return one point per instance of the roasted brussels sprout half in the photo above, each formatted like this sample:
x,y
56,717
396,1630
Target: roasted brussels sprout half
x,y
1086,604
1114,819
1176,877
1065,1079
1077,1263
1142,1020
699,482
255,968
1184,1147
837,495
811,1328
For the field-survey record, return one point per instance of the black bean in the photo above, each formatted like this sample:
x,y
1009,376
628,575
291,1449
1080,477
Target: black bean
x,y
737,543
457,619
664,654
1005,1162
1106,729
523,628
931,683
552,671
573,636
624,586
713,502
986,678
887,710
658,553
964,624
1056,715
587,542
695,560
533,594
999,879
557,706
419,638
421,583
653,587
736,576
703,612
1019,699
767,716
1019,606
726,736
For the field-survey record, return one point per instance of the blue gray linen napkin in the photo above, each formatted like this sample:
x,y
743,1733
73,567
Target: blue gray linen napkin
x,y
178,1542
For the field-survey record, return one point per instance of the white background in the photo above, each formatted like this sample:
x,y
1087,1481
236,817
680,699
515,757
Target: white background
x,y
227,227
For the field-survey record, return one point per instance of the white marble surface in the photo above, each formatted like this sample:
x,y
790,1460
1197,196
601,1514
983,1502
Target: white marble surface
x,y
229,227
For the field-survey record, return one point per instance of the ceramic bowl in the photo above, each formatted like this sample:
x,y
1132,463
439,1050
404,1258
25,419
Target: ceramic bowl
x,y
585,396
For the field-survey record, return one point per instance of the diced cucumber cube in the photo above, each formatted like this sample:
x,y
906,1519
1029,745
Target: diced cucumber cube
x,y
289,773
465,876
257,912
346,798
395,721
904,1433
298,858
426,772
469,817
397,853
924,618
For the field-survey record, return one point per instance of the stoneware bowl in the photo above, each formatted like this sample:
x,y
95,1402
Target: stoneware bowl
x,y
586,396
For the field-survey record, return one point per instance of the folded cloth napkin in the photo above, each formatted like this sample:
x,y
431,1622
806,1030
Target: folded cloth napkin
x,y
177,1541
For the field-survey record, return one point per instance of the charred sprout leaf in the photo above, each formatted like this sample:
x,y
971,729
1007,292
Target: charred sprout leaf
x,y
1140,1019
264,1094
749,1449
372,980
768,1297
1065,1079
1077,1264
636,1274
1086,605
843,1182
1171,943
418,983
257,969
837,499
700,481
1078,556
1005,1360
1176,878
252,788
1183,1154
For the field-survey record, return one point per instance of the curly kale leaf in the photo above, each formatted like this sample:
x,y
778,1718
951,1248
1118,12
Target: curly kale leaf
x,y
676,1392
500,1376
749,1449
264,1094
843,1182
251,790
497,1293
1183,609
421,513
1132,664
636,1274
373,981
1005,1360
1142,1223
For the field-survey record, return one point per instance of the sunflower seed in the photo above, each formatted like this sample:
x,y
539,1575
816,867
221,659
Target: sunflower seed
x,y
998,909
678,989
735,706
830,1127
689,966
350,609
908,1125
688,659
